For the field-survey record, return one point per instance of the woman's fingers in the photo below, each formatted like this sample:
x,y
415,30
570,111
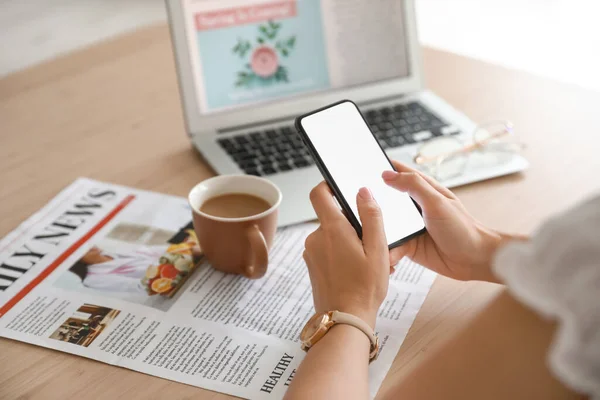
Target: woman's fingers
x,y
373,234
416,186
436,185
324,204
310,243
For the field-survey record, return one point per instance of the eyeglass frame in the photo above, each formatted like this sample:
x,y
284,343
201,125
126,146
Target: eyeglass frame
x,y
421,160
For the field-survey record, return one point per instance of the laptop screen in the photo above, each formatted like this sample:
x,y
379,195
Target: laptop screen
x,y
245,53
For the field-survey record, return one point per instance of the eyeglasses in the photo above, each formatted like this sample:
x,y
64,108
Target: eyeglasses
x,y
447,157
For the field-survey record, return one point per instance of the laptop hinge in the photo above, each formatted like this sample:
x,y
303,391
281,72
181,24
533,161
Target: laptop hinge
x,y
289,118
256,124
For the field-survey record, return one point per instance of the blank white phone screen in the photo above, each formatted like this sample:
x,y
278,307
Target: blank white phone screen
x,y
354,160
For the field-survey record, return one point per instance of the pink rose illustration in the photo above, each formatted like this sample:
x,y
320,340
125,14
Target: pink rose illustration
x,y
264,61
262,57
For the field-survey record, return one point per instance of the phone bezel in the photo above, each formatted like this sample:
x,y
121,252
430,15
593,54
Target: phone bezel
x,y
331,182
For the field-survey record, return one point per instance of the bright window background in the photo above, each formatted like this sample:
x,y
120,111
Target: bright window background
x,y
554,38
559,39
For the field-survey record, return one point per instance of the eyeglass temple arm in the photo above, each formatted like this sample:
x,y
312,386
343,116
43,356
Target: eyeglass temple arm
x,y
421,159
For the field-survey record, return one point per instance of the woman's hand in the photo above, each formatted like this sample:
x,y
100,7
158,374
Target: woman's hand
x,y
347,274
455,245
351,276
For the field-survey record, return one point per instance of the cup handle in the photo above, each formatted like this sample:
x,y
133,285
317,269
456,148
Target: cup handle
x,y
259,253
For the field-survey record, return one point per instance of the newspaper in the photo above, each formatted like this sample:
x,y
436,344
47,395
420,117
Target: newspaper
x,y
80,276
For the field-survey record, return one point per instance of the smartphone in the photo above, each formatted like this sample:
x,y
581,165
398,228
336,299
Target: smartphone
x,y
349,158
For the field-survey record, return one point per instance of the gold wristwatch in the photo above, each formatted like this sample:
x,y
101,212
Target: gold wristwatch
x,y
320,323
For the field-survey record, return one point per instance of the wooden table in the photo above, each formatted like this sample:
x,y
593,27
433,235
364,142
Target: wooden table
x,y
112,112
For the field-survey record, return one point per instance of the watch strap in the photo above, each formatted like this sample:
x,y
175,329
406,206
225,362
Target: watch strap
x,y
338,317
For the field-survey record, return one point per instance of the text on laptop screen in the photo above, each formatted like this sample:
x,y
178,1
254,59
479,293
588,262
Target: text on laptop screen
x,y
251,52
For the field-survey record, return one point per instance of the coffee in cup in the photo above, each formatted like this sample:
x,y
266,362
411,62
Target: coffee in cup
x,y
235,219
235,205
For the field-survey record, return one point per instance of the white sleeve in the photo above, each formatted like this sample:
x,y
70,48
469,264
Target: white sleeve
x,y
557,274
114,283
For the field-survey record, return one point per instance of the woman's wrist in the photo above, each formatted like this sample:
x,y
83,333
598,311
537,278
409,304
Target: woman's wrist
x,y
482,267
351,336
367,313
492,242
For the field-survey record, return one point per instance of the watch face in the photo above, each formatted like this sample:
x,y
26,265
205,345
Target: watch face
x,y
313,325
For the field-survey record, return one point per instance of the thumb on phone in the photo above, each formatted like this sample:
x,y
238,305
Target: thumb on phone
x,y
373,234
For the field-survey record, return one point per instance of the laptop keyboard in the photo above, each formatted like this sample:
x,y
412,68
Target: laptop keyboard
x,y
405,124
281,149
268,152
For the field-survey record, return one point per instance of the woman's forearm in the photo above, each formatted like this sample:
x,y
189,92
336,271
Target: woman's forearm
x,y
336,367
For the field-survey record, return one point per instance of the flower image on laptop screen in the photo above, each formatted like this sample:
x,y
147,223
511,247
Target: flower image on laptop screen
x,y
245,52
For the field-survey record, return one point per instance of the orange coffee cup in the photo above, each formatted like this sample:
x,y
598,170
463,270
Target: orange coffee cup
x,y
236,245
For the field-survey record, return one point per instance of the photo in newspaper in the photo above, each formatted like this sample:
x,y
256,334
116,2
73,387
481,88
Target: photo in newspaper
x,y
85,324
136,263
219,332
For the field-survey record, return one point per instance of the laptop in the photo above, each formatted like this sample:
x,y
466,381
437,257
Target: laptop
x,y
246,69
